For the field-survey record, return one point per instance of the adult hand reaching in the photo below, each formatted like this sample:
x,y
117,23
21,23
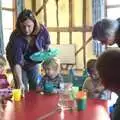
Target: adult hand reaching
x,y
22,87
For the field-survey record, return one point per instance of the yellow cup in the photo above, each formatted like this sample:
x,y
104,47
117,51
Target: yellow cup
x,y
16,94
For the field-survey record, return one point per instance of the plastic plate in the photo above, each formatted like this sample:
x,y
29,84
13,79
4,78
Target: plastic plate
x,y
44,55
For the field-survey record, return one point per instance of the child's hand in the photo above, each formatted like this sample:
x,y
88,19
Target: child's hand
x,y
99,88
55,91
38,89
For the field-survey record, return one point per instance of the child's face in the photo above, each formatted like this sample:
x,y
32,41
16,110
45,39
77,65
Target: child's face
x,y
51,72
1,69
95,74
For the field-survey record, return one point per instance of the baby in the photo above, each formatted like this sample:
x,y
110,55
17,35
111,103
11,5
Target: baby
x,y
51,81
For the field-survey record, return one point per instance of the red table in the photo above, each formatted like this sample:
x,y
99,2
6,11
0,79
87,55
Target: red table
x,y
35,105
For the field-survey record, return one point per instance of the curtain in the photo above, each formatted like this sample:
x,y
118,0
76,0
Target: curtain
x,y
1,32
20,6
98,12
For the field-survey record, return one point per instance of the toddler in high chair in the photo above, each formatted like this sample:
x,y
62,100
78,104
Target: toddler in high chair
x,y
51,81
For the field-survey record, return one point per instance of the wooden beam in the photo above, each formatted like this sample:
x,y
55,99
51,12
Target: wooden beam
x,y
84,33
113,6
57,12
57,20
67,29
81,48
14,13
33,5
45,12
41,8
70,21
8,9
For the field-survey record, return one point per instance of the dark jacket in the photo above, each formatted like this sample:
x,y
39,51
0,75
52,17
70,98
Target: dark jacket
x,y
18,46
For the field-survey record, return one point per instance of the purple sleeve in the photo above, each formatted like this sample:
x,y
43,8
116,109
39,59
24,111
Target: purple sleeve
x,y
43,39
47,39
17,52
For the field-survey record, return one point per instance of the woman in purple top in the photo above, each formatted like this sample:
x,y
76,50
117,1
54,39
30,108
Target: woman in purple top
x,y
28,37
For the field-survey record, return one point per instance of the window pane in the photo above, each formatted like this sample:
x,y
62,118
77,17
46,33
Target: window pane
x,y
7,19
7,3
112,13
113,2
6,35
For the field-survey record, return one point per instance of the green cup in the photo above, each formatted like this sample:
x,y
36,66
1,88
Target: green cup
x,y
73,92
81,104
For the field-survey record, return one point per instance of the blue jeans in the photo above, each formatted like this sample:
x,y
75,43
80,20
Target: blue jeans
x,y
30,78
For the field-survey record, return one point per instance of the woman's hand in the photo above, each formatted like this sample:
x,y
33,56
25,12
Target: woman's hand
x,y
22,87
18,76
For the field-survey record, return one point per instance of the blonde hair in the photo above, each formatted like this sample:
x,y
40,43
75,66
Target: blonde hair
x,y
2,61
52,63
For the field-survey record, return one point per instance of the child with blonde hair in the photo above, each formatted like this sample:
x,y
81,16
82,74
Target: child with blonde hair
x,y
51,80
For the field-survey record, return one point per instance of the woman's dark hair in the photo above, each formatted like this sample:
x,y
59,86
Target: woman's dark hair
x,y
24,15
108,66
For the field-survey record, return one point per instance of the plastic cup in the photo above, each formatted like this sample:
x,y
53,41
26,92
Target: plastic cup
x,y
73,92
16,94
81,99
81,104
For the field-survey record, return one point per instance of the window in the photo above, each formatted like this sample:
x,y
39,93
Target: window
x,y
112,12
8,17
112,9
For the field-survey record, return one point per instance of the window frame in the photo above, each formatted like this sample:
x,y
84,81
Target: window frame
x,y
110,7
14,10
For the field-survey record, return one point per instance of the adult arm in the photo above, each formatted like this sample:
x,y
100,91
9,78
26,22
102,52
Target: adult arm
x,y
18,76
18,61
15,57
